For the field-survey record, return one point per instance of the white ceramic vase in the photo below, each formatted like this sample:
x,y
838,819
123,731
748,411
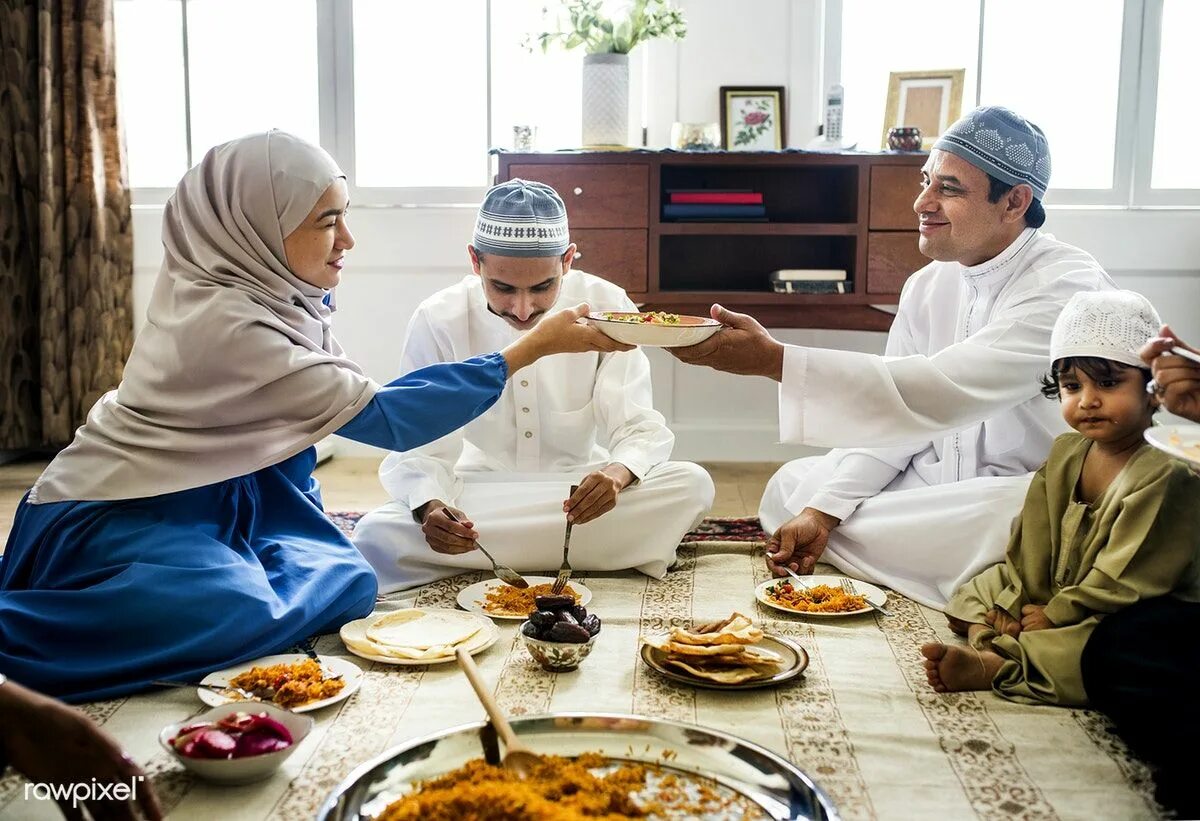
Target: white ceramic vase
x,y
605,99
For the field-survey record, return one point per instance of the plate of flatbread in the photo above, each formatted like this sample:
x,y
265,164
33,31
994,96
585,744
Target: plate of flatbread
x,y
731,654
418,635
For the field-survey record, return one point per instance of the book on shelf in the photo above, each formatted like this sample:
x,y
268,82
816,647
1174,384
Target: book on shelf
x,y
831,274
715,198
811,286
701,211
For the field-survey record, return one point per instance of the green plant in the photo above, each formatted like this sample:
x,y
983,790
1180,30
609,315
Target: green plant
x,y
588,24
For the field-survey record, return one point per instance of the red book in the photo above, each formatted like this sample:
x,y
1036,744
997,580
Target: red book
x,y
716,198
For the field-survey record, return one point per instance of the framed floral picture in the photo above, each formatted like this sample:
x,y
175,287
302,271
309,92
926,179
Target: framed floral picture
x,y
752,119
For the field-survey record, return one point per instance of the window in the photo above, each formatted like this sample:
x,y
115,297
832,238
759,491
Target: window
x,y
1075,102
1177,116
1115,97
420,93
407,96
150,90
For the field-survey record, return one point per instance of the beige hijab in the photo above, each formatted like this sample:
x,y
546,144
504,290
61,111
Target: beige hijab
x,y
236,368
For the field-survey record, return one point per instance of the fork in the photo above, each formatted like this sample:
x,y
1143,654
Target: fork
x,y
220,689
503,572
564,572
848,588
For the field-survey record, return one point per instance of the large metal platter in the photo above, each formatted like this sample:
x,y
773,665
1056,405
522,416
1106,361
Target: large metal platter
x,y
782,790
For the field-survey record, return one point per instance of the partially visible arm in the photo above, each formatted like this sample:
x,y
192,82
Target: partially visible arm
x,y
839,398
426,404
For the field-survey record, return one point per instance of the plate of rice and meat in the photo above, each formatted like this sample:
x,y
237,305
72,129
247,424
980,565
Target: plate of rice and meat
x,y
822,596
591,765
294,682
498,600
657,329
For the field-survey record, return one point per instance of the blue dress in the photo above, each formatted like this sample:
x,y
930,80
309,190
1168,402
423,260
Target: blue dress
x,y
97,599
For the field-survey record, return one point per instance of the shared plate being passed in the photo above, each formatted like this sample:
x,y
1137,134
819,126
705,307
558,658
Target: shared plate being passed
x,y
471,598
331,665
690,330
869,591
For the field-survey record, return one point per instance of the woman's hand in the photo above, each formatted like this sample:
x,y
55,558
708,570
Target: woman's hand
x,y
1177,379
559,333
53,744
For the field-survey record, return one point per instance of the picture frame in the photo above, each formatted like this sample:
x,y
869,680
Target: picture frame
x,y
753,118
928,100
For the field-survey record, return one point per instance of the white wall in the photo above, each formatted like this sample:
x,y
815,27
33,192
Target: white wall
x,y
405,254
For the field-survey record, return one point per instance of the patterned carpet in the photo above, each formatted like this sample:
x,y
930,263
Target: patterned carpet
x,y
712,529
862,720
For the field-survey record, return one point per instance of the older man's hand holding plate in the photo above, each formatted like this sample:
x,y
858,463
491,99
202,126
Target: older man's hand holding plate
x,y
743,347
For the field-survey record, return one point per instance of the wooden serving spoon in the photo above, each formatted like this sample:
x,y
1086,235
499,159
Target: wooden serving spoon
x,y
517,757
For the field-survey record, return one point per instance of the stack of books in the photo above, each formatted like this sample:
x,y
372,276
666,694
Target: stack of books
x,y
810,281
715,205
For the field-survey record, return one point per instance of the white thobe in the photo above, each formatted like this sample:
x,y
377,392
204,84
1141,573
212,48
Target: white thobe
x,y
511,468
951,413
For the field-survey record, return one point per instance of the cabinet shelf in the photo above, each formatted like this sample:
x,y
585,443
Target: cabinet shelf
x,y
849,211
798,229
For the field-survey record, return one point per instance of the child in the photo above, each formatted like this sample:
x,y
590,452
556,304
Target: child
x,y
1107,521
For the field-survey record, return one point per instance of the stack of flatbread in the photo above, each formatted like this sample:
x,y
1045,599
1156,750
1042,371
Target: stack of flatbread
x,y
415,634
723,652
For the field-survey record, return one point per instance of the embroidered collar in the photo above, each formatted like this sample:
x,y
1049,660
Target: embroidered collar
x,y
1001,260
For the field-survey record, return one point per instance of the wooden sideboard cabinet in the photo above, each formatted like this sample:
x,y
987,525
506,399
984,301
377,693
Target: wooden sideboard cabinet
x,y
850,211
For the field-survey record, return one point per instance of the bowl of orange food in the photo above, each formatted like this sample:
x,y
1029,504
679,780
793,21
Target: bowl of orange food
x,y
657,329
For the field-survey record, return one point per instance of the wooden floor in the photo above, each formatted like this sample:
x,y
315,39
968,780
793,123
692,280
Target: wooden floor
x,y
352,484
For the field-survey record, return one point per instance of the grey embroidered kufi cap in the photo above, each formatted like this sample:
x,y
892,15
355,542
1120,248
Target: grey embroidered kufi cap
x,y
521,218
1003,144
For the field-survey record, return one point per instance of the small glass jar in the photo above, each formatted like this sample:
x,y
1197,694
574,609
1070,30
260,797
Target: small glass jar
x,y
904,138
696,136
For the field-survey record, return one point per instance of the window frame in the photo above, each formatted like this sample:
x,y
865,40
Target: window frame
x,y
1137,96
335,111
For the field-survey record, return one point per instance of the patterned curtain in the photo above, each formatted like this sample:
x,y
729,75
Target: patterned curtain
x,y
66,242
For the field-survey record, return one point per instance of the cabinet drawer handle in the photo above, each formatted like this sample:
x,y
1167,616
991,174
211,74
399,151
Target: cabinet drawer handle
x,y
578,191
578,253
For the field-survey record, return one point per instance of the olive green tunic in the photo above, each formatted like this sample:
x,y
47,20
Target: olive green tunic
x,y
1082,561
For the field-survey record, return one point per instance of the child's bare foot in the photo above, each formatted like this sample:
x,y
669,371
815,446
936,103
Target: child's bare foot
x,y
950,668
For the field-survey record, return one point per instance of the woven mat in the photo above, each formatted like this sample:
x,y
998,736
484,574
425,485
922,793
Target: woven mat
x,y
862,721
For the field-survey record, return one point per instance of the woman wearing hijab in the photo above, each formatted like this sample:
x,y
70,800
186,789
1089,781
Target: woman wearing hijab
x,y
182,531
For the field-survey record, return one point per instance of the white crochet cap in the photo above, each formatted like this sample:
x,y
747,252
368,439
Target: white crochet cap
x,y
1107,324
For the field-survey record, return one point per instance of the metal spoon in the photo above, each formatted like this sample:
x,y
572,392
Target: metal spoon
x,y
503,573
221,689
517,757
